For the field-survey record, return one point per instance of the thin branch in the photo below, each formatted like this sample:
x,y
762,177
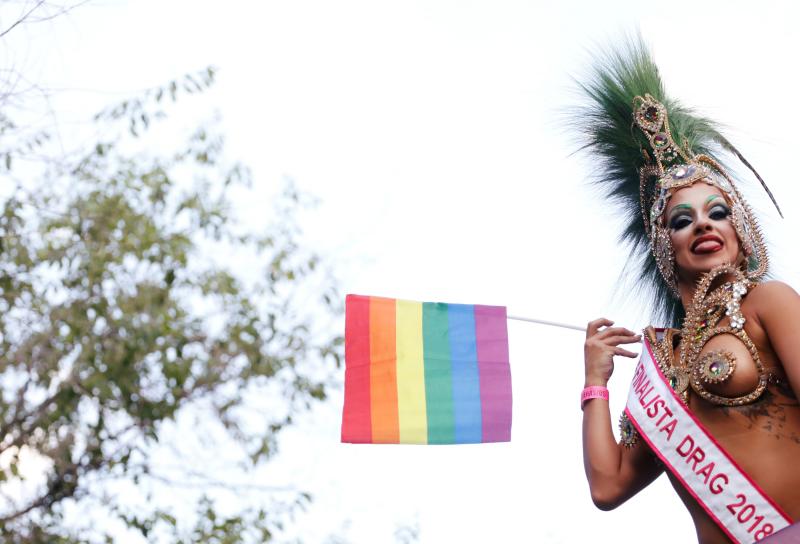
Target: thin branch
x,y
38,503
59,13
205,482
23,18
20,419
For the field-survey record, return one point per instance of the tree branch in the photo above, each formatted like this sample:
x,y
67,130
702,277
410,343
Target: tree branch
x,y
23,18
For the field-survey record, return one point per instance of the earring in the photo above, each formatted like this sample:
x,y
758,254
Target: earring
x,y
665,257
740,226
749,234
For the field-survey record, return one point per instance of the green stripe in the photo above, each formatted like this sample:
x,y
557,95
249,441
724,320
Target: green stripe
x,y
438,374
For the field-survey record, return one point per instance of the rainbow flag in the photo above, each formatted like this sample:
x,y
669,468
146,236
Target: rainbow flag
x,y
425,372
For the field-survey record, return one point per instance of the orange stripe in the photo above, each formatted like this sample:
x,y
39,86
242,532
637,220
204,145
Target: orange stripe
x,y
383,370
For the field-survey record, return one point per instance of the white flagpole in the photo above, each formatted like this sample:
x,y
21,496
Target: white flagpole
x,y
544,322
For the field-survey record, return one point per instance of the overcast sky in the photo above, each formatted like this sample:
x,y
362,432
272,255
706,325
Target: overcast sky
x,y
432,132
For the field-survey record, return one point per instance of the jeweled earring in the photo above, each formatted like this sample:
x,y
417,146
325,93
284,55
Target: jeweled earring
x,y
739,224
665,257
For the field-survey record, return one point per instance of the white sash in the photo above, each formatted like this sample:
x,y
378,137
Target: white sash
x,y
721,487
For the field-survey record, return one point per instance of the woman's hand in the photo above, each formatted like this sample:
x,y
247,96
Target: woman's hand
x,y
614,471
600,348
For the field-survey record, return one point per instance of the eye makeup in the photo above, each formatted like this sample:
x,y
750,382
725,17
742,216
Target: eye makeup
x,y
719,211
677,208
679,219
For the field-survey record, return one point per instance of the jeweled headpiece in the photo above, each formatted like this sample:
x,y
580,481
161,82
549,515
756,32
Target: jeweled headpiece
x,y
647,147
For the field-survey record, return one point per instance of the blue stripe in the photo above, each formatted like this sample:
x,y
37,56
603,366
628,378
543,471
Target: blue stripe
x,y
466,380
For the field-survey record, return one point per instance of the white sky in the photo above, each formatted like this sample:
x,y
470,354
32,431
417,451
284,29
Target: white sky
x,y
430,130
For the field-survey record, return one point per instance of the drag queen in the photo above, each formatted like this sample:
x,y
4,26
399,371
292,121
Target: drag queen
x,y
714,399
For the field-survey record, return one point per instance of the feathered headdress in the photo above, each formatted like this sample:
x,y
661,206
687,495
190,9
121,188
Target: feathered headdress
x,y
645,146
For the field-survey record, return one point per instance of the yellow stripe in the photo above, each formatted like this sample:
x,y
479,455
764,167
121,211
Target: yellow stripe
x,y
411,374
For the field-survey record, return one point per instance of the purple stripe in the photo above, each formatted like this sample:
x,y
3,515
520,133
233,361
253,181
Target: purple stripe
x,y
491,337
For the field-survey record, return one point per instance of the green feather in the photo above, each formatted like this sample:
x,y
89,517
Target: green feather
x,y
605,125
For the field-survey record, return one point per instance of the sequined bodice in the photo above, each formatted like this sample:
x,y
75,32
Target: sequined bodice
x,y
712,345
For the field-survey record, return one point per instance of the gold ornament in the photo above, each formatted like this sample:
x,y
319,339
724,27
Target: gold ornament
x,y
715,366
694,369
675,167
628,435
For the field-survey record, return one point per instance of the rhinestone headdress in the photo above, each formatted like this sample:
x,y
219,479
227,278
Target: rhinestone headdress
x,y
672,167
646,147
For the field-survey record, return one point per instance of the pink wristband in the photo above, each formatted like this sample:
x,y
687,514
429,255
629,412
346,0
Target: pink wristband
x,y
593,392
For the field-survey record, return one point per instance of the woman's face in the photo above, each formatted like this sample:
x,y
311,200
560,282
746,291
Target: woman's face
x,y
703,236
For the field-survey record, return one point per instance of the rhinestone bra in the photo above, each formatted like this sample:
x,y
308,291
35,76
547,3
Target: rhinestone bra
x,y
695,369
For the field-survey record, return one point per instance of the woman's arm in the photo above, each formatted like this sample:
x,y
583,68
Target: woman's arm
x,y
777,307
615,473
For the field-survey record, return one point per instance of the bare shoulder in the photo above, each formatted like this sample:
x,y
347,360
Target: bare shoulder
x,y
772,291
772,297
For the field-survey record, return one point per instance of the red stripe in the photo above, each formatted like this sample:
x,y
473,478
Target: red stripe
x,y
356,417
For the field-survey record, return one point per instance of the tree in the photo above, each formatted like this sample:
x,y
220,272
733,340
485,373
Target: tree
x,y
129,296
